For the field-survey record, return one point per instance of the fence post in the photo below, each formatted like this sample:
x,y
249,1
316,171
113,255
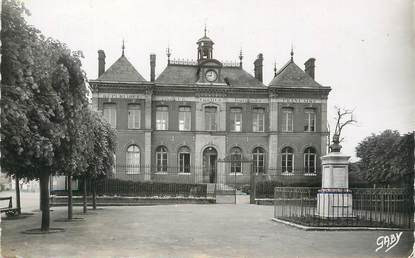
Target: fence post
x,y
234,186
382,206
275,202
301,204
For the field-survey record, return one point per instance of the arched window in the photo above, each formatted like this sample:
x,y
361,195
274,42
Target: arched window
x,y
161,159
132,159
236,160
287,163
184,160
258,158
310,160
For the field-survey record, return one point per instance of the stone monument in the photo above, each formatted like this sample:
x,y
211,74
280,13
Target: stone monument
x,y
334,199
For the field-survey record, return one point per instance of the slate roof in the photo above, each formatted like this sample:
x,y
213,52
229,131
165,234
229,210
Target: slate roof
x,y
121,71
187,74
178,74
240,78
291,75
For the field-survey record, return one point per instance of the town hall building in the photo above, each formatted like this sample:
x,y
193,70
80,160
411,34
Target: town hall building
x,y
207,121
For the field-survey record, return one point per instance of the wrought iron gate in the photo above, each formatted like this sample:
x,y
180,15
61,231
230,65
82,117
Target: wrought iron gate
x,y
233,173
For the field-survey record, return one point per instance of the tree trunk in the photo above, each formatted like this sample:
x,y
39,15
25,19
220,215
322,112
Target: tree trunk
x,y
69,177
44,196
94,194
19,210
84,196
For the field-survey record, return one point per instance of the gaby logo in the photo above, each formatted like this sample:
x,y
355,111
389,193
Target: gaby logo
x,y
388,241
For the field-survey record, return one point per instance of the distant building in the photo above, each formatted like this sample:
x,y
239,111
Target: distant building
x,y
208,121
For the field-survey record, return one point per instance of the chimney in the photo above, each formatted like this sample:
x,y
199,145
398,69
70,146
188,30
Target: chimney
x,y
309,67
258,67
152,67
101,62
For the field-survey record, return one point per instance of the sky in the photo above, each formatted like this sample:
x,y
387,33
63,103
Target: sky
x,y
364,50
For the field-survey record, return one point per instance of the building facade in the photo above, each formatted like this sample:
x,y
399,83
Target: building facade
x,y
206,121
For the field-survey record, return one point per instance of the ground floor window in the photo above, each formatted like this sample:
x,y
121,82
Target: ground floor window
x,y
310,158
236,160
161,159
132,160
258,160
184,160
287,160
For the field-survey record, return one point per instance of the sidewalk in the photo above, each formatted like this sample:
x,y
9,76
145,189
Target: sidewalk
x,y
221,230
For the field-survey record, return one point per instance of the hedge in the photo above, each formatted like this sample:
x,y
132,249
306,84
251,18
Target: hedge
x,y
112,187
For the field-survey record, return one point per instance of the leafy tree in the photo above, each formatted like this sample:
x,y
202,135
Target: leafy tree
x,y
32,117
100,156
69,80
356,176
387,158
43,104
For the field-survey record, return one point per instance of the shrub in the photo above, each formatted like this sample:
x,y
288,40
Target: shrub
x,y
265,189
144,189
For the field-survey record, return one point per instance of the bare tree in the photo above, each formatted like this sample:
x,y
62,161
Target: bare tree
x,y
343,117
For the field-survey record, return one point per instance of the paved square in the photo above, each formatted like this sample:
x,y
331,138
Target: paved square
x,y
221,230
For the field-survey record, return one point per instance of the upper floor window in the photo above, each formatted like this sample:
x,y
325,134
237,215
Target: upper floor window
x,y
236,119
258,120
287,119
236,160
110,114
287,163
211,118
258,158
310,160
162,118
134,116
133,160
184,160
185,118
310,120
161,159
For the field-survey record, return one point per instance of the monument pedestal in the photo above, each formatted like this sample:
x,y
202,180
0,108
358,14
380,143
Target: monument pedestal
x,y
334,203
334,200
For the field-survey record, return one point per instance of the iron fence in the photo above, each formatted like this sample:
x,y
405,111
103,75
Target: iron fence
x,y
223,175
382,207
178,174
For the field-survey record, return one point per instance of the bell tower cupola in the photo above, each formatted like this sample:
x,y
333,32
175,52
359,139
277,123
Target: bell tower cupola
x,y
204,48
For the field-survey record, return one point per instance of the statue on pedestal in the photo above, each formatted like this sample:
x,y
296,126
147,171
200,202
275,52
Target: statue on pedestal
x,y
334,199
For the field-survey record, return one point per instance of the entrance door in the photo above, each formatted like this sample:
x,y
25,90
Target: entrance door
x,y
210,157
212,168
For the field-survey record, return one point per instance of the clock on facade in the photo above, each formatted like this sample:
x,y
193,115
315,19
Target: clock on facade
x,y
211,76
